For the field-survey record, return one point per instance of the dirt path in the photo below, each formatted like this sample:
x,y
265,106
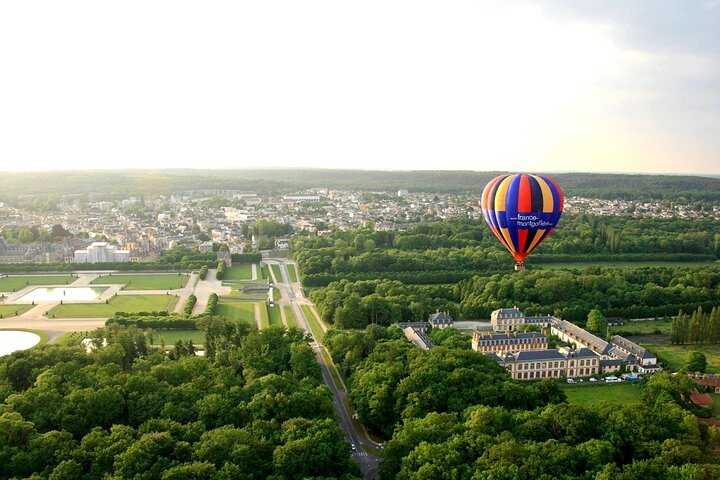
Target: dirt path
x,y
258,317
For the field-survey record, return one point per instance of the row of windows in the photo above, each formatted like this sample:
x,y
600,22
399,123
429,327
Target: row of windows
x,y
532,375
518,341
582,372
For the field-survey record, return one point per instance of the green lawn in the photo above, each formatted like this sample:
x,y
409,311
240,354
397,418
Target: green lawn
x,y
238,311
125,303
624,393
161,281
317,330
239,271
170,337
581,265
290,317
274,315
676,355
642,328
12,310
263,273
276,294
293,273
276,272
15,283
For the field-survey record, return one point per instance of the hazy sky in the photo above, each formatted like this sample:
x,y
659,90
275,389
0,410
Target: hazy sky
x,y
482,85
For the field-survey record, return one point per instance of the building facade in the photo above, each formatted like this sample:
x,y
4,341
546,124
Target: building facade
x,y
508,342
539,364
514,319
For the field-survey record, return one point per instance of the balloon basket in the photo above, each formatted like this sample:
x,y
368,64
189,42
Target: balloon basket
x,y
519,266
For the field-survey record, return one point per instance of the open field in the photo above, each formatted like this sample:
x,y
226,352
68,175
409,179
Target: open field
x,y
676,355
170,337
161,281
238,311
276,272
581,265
239,271
274,315
125,303
293,273
643,328
12,310
314,324
290,317
12,284
625,393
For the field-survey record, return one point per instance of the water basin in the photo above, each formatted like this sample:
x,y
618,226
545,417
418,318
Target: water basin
x,y
13,340
55,294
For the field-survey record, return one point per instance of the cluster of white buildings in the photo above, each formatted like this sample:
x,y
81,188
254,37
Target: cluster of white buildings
x,y
102,252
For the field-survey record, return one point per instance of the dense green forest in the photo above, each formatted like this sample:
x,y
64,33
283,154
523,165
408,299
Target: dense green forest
x,y
448,251
254,408
41,190
452,413
458,266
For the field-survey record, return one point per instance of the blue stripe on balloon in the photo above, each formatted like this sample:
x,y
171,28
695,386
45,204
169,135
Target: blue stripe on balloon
x,y
511,210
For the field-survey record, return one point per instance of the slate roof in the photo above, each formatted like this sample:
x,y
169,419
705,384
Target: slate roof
x,y
550,354
510,336
632,347
585,353
440,318
597,344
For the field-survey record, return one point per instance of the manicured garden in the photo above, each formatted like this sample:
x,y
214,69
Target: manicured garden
x,y
120,303
12,310
162,281
239,271
274,315
238,311
624,393
15,283
276,273
293,273
290,317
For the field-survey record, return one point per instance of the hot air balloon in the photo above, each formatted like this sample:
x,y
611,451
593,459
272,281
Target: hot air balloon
x,y
522,210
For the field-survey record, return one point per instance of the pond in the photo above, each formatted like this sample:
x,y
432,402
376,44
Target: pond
x,y
55,294
13,340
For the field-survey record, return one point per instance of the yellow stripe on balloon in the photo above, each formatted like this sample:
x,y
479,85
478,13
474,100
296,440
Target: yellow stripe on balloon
x,y
508,240
548,203
501,193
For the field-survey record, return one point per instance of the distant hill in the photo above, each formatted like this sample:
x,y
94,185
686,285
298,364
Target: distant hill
x,y
117,183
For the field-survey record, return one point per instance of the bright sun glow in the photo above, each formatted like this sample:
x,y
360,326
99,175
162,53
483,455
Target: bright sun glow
x,y
376,84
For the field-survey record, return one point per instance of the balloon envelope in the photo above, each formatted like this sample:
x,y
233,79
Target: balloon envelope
x,y
522,210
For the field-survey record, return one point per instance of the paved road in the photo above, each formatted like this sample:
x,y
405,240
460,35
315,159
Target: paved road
x,y
370,464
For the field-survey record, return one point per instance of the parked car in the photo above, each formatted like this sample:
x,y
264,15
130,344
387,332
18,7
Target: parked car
x,y
612,379
570,380
593,379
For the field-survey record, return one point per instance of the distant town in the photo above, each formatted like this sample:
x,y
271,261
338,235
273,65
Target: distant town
x,y
136,229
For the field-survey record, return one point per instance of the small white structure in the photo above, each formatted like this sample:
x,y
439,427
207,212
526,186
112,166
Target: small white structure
x,y
102,252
